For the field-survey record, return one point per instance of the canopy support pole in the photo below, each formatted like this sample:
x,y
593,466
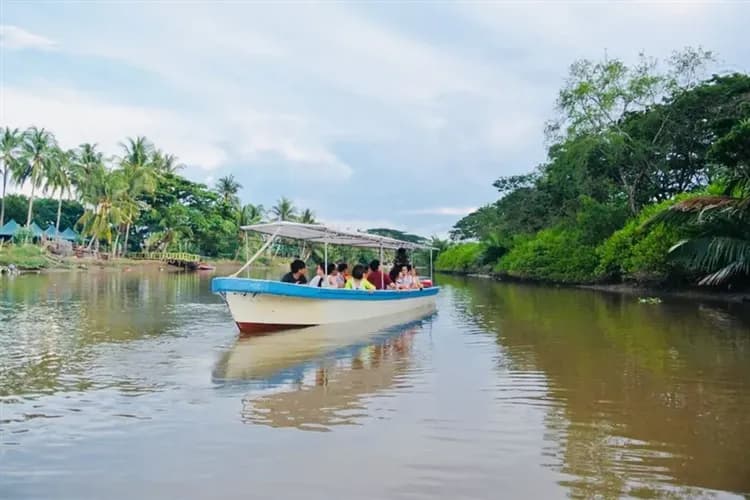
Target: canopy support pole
x,y
382,277
257,254
325,259
431,266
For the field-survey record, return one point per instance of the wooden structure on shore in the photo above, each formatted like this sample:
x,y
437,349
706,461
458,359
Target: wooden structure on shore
x,y
179,259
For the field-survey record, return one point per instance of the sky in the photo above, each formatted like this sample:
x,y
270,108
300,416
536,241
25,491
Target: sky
x,y
371,114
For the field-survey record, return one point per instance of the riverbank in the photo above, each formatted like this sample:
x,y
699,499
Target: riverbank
x,y
633,289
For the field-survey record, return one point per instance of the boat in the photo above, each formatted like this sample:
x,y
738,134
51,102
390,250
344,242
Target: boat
x,y
203,266
262,306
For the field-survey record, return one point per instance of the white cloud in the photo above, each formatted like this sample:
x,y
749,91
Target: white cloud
x,y
13,37
75,118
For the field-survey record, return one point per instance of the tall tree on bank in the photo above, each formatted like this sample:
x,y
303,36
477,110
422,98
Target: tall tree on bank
x,y
228,187
307,217
284,210
37,159
10,149
59,179
139,176
102,194
598,98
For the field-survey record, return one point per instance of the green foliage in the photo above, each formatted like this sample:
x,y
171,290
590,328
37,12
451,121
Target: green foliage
x,y
555,254
22,236
459,258
23,256
628,142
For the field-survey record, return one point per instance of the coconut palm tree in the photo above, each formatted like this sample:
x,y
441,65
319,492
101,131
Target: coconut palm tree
x,y
37,157
166,163
10,150
59,179
284,210
138,172
228,187
103,196
86,161
307,217
251,214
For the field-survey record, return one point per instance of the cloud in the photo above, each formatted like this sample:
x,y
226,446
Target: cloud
x,y
453,211
76,118
13,37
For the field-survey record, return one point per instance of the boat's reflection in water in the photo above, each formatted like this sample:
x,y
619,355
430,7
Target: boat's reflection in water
x,y
318,377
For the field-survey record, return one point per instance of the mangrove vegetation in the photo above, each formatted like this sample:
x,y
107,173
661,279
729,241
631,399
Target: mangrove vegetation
x,y
647,179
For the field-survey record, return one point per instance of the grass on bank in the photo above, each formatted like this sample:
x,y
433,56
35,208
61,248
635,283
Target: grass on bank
x,y
23,256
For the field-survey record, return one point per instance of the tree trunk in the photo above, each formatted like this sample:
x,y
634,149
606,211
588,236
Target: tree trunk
x,y
113,250
125,243
2,202
31,205
59,211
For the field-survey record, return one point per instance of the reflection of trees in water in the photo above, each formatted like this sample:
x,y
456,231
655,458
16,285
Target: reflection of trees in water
x,y
651,395
52,324
338,388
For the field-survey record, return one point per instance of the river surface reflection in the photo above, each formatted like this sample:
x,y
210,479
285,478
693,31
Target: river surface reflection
x,y
135,385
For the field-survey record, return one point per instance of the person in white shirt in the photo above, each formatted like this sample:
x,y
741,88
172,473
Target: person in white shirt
x,y
324,279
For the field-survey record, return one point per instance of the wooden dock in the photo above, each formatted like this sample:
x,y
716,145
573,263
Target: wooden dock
x,y
178,259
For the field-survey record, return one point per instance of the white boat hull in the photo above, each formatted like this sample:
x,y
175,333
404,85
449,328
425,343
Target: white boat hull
x,y
261,313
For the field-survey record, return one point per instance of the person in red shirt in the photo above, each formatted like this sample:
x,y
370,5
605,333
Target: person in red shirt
x,y
378,277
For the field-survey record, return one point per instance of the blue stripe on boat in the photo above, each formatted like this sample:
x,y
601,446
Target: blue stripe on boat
x,y
248,285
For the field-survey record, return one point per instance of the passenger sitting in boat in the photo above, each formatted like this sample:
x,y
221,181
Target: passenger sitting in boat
x,y
405,279
416,283
319,277
358,280
377,277
341,277
296,274
323,279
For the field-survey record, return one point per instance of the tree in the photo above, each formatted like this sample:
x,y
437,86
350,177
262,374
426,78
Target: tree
x,y
228,187
166,163
284,210
10,150
102,196
59,179
37,158
599,96
307,217
139,176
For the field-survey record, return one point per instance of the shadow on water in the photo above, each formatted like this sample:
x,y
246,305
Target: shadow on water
x,y
637,395
318,377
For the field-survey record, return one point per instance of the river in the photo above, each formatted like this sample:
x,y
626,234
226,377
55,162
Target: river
x,y
124,385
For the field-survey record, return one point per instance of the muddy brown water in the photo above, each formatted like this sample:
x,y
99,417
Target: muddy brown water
x,y
135,385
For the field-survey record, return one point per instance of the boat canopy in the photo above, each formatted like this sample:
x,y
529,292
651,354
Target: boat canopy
x,y
319,233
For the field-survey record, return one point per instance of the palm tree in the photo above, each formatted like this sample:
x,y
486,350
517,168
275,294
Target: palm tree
x,y
251,214
10,142
38,155
719,225
86,161
102,195
166,163
138,171
228,187
284,210
59,179
307,217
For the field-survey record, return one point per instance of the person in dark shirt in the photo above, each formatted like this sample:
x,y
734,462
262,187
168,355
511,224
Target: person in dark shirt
x,y
296,274
377,277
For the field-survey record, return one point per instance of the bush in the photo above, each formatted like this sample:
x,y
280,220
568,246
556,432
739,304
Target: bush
x,y
459,258
23,235
23,256
558,254
638,251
